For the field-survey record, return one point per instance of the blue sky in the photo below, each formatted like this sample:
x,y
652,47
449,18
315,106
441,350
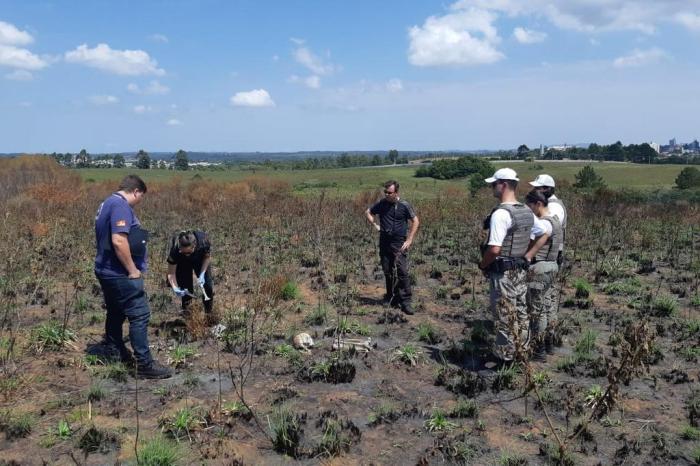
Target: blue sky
x,y
329,75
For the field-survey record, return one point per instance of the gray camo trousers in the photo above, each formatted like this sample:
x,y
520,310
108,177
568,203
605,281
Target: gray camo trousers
x,y
542,298
509,310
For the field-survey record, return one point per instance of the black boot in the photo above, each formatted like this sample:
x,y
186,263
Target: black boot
x,y
549,343
154,370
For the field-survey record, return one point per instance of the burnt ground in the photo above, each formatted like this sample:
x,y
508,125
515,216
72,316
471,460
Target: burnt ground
x,y
386,414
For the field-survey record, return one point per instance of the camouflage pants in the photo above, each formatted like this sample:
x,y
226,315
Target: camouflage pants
x,y
542,297
509,310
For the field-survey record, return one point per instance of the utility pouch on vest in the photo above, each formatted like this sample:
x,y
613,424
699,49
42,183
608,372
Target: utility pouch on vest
x,y
560,258
138,237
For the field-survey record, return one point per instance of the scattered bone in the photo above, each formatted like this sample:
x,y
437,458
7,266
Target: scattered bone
x,y
303,342
358,344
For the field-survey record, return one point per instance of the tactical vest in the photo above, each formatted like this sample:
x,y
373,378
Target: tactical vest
x,y
550,250
566,214
518,237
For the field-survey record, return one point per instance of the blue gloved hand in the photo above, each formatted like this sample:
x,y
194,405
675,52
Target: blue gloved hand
x,y
179,291
200,279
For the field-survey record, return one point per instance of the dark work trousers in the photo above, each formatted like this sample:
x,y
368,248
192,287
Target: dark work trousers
x,y
398,285
126,298
183,274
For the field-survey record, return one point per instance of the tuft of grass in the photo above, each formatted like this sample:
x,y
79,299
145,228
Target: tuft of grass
x,y
334,441
184,421
464,409
116,371
159,452
235,408
51,336
428,333
506,378
690,433
385,413
583,288
664,305
585,345
512,459
286,431
63,430
289,353
16,425
96,392
626,287
408,354
181,354
318,316
438,422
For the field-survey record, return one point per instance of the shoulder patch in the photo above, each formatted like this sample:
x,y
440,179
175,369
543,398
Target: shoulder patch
x,y
121,223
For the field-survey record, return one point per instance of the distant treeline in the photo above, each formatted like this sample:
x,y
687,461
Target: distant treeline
x,y
617,152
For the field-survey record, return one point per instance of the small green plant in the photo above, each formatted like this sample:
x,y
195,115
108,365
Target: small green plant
x,y
235,408
566,363
427,333
290,291
664,305
180,355
95,439
318,316
182,423
289,353
464,409
438,422
479,333
585,345
408,354
594,395
191,380
51,336
159,452
285,431
626,287
541,379
63,430
690,433
583,288
506,377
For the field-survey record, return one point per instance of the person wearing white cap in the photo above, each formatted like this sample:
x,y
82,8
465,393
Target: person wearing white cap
x,y
511,225
545,184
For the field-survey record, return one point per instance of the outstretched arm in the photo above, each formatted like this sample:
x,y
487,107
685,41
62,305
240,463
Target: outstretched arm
x,y
370,219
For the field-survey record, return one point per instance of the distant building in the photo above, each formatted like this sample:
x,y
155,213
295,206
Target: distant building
x,y
672,142
655,146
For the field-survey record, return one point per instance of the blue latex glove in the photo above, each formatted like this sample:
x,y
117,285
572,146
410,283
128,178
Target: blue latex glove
x,y
179,291
200,279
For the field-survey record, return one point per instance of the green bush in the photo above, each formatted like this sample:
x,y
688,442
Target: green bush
x,y
587,178
688,178
289,291
159,452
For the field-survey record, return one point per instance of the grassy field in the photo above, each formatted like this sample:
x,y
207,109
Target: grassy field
x,y
352,180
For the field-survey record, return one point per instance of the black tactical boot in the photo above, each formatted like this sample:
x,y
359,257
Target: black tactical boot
x,y
549,343
406,308
154,370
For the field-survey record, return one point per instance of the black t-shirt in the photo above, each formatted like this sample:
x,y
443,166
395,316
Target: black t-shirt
x,y
393,217
202,250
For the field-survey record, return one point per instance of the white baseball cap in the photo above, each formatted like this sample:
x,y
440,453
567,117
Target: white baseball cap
x,y
543,180
503,174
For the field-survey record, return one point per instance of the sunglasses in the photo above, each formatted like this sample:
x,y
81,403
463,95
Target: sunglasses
x,y
389,192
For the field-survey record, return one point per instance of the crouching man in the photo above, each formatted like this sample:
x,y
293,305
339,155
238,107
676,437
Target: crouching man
x,y
190,252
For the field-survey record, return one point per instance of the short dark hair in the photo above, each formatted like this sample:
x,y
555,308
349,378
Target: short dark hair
x,y
130,183
187,238
548,191
534,196
391,183
511,183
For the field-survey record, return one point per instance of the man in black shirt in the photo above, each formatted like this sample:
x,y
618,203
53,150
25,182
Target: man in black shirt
x,y
190,251
395,238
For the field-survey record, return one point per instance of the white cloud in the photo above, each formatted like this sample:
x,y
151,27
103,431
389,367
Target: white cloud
x,y
16,57
312,82
528,36
394,85
103,99
174,122
640,58
461,37
254,98
143,109
163,39
297,40
153,88
10,35
304,56
20,75
25,104
122,62
689,20
275,58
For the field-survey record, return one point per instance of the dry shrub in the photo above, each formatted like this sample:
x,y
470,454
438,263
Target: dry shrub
x,y
17,174
39,229
237,192
57,192
267,186
452,192
366,198
197,324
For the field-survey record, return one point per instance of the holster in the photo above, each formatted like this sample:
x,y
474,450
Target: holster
x,y
503,264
